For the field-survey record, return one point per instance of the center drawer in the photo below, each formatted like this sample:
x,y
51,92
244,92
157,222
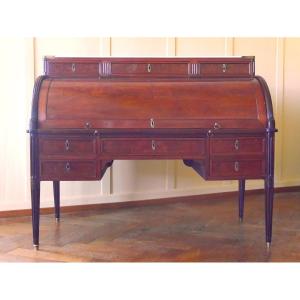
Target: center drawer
x,y
149,69
181,148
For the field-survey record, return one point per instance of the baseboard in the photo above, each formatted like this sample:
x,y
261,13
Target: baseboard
x,y
136,203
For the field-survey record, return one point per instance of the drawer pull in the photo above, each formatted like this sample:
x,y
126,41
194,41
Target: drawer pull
x,y
68,167
87,125
152,124
67,145
224,68
217,126
73,68
236,145
149,68
236,166
153,145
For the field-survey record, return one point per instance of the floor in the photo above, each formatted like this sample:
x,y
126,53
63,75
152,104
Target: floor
x,y
193,231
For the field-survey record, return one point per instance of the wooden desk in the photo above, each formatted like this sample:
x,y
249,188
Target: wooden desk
x,y
213,113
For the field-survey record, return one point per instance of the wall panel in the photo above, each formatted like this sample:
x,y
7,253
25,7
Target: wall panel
x,y
277,60
291,111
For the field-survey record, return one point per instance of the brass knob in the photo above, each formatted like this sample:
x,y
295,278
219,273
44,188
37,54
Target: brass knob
x,y
236,166
87,125
153,145
236,145
73,68
224,68
67,145
68,167
149,68
217,126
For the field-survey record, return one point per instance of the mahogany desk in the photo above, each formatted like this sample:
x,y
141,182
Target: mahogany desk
x,y
213,113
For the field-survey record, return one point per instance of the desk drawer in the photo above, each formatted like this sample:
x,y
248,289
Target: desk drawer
x,y
73,69
68,170
67,146
163,147
238,145
253,168
149,69
230,69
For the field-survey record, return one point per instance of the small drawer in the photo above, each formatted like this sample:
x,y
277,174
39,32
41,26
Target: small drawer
x,y
230,69
68,170
67,146
237,168
185,148
149,69
238,145
73,69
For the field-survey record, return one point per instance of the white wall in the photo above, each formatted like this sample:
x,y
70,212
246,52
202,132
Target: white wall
x,y
277,59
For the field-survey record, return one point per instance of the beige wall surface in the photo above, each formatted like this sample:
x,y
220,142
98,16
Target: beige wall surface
x,y
277,59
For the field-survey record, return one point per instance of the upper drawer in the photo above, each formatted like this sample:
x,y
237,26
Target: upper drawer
x,y
148,69
226,69
61,69
67,146
238,145
185,148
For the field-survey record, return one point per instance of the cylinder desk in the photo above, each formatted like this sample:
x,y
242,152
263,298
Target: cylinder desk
x,y
215,114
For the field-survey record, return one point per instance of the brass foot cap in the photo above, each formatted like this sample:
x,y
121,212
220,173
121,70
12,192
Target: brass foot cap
x,y
241,220
36,247
268,245
56,220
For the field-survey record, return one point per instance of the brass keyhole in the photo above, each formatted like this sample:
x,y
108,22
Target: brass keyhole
x,y
73,68
152,124
236,166
67,145
236,145
68,167
153,145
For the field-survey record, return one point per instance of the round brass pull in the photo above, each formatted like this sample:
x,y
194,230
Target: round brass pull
x,y
149,68
236,166
236,145
87,125
67,145
153,145
68,167
217,126
73,68
224,68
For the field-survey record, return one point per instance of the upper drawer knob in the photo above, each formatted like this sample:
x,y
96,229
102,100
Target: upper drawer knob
x,y
73,68
224,68
149,68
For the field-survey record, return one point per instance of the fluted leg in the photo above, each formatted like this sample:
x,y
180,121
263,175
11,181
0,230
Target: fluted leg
x,y
56,192
241,198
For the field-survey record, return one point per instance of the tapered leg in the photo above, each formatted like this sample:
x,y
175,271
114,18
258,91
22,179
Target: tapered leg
x,y
35,206
269,187
56,192
241,198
